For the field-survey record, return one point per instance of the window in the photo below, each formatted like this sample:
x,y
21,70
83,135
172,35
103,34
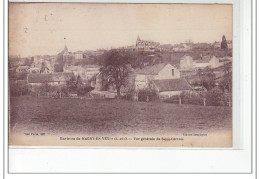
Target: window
x,y
172,72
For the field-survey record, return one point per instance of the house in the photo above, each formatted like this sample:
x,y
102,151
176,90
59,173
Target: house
x,y
53,79
230,44
85,72
92,70
216,45
187,62
170,87
147,46
183,47
78,55
207,61
22,69
37,59
214,62
161,71
34,70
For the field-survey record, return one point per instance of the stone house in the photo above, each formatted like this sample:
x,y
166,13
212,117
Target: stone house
x,y
161,71
147,46
86,72
52,79
187,62
170,87
22,69
208,61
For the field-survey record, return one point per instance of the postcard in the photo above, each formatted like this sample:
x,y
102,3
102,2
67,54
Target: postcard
x,y
120,75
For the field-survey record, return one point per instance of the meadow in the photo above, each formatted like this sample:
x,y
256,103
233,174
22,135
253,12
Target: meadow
x,y
113,116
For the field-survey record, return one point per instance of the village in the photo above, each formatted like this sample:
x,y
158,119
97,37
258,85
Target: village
x,y
162,72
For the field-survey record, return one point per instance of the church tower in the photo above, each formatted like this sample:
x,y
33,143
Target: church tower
x,y
138,40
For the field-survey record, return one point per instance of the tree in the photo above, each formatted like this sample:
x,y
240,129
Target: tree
x,y
116,69
72,84
224,43
206,77
44,68
226,81
28,62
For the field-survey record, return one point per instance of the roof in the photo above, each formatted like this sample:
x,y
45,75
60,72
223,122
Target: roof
x,y
92,66
50,77
172,85
204,59
151,70
23,67
185,57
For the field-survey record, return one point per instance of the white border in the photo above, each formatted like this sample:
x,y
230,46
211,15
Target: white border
x,y
167,160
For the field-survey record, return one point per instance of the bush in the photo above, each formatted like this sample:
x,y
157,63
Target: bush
x,y
214,97
18,88
83,90
218,99
172,99
191,98
143,95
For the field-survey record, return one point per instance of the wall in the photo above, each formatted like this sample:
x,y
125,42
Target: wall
x,y
166,73
168,94
141,81
201,65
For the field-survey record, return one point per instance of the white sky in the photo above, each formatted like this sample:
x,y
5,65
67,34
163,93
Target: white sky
x,y
40,28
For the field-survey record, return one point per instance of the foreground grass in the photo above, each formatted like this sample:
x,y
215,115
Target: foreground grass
x,y
92,116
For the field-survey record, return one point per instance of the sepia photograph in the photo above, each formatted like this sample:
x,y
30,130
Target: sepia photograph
x,y
120,75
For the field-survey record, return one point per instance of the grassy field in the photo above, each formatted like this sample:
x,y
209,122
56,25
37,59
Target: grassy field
x,y
93,116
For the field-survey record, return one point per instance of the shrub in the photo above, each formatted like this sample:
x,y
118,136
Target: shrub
x,y
191,98
214,97
143,95
172,99
18,88
83,90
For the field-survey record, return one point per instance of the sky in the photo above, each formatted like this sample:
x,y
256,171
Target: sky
x,y
45,28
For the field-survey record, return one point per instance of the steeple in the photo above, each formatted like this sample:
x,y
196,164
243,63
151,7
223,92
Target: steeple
x,y
65,48
137,40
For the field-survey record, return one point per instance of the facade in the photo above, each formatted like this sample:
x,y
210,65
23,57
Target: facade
x,y
161,71
181,47
53,79
22,69
207,61
147,46
170,87
216,45
34,70
214,62
37,59
186,62
78,55
230,44
85,72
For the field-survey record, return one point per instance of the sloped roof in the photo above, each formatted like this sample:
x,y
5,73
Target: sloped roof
x,y
151,70
204,59
172,85
92,66
50,77
23,67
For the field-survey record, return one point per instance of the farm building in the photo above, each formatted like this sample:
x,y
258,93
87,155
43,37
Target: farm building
x,y
21,69
85,72
53,79
148,46
170,87
207,61
34,70
156,72
186,62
